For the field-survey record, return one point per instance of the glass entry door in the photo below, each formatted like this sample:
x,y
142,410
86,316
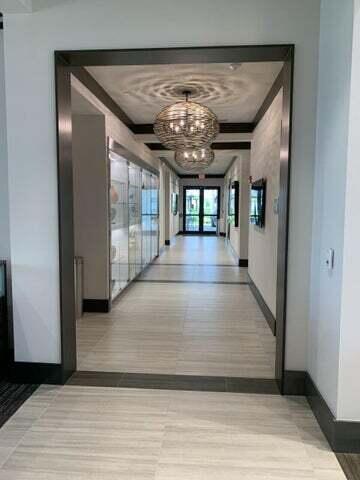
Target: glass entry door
x,y
201,209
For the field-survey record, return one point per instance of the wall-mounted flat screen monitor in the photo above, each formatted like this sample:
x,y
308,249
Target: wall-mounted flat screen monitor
x,y
258,203
233,205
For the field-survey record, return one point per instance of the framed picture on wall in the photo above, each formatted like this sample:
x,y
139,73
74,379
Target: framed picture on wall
x,y
233,204
174,203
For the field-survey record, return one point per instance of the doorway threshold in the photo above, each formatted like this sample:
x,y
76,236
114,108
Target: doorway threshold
x,y
175,382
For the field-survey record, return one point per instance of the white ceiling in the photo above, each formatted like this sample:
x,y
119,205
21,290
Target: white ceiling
x,y
234,95
222,160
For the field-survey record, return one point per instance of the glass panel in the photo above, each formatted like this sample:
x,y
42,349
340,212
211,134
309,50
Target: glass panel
x,y
134,221
192,201
119,219
146,217
210,201
154,216
192,223
210,223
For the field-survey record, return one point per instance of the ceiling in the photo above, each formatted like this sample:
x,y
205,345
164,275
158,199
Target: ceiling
x,y
234,95
235,92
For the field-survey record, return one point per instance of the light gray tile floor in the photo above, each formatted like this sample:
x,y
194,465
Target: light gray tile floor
x,y
93,433
182,328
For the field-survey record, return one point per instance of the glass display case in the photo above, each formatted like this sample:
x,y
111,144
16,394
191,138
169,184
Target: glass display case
x,y
146,217
134,219
119,221
154,207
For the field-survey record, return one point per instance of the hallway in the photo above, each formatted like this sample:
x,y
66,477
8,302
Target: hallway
x,y
190,313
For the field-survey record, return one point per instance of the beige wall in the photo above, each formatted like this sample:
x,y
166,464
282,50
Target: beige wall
x,y
265,163
91,230
239,236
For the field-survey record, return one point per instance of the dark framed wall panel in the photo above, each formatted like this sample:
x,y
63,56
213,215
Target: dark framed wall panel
x,y
283,221
66,217
65,61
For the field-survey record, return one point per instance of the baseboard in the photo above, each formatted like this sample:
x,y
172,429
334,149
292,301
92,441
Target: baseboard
x,y
343,436
36,373
263,306
243,262
94,305
167,243
294,382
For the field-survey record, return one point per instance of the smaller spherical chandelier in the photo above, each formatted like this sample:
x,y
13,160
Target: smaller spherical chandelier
x,y
194,159
186,125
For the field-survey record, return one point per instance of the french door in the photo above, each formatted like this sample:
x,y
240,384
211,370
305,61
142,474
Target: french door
x,y
201,210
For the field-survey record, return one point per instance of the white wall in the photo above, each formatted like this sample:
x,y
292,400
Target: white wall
x,y
30,41
265,163
329,196
91,227
239,236
4,193
348,407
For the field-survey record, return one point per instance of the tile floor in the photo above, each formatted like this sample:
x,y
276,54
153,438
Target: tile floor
x,y
93,433
174,322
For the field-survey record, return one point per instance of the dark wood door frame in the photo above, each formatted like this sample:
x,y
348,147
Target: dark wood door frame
x,y
201,212
65,64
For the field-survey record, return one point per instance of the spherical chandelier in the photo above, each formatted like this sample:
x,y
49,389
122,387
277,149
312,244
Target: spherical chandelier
x,y
186,125
194,159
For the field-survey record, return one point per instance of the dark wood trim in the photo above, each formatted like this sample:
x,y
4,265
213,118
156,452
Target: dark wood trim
x,y
176,55
66,216
197,176
283,216
175,382
274,90
243,262
95,88
204,282
294,383
5,347
263,306
158,147
148,128
95,305
343,436
64,62
37,373
167,243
